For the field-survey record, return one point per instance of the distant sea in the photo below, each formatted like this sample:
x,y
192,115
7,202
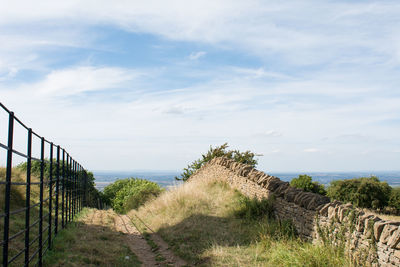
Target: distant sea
x,y
167,178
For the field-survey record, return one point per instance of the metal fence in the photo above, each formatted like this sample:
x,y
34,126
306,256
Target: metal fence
x,y
51,192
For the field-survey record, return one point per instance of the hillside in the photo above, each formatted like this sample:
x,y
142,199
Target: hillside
x,y
208,223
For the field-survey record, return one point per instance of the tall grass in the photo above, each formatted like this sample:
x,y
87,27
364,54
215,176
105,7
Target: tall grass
x,y
17,221
208,223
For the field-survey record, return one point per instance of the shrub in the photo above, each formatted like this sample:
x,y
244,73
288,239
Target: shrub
x,y
305,182
130,193
110,191
364,192
246,157
394,200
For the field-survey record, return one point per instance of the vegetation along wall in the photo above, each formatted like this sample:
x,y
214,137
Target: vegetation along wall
x,y
366,237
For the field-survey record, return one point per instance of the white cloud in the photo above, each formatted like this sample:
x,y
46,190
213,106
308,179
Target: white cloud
x,y
311,150
197,55
83,79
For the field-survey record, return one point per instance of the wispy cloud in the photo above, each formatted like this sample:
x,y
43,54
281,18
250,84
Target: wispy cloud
x,y
197,55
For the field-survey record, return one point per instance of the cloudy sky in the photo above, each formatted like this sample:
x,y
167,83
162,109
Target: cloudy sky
x,y
127,85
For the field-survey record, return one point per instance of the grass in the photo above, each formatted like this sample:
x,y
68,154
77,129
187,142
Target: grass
x,y
209,224
89,243
17,221
383,216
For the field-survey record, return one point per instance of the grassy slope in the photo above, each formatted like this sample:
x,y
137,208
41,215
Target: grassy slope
x,y
198,220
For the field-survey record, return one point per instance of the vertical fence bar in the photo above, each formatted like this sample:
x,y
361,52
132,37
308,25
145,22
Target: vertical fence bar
x,y
57,190
70,189
74,194
80,187
28,196
63,190
8,189
85,202
40,261
50,193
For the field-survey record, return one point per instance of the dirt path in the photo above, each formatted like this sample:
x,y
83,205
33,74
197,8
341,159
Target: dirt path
x,y
162,256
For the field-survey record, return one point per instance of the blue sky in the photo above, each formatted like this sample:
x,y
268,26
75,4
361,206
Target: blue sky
x,y
126,85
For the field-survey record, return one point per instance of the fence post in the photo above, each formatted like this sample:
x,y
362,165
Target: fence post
x,y
41,203
84,188
57,189
28,196
63,190
50,193
75,193
8,188
70,190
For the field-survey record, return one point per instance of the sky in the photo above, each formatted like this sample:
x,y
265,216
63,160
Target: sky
x,y
151,85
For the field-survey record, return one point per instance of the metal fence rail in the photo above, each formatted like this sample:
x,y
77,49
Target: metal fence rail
x,y
62,194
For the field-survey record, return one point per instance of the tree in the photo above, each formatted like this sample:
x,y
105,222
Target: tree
x,y
364,192
246,157
305,182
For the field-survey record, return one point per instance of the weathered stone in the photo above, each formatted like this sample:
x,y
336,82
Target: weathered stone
x,y
387,232
245,170
291,193
369,223
314,203
273,184
324,209
261,180
331,212
395,238
281,189
380,225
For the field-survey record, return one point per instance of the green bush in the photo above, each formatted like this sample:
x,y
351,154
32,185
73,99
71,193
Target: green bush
x,y
305,182
246,157
130,193
394,200
364,192
111,190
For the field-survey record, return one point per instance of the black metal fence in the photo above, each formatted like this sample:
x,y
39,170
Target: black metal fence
x,y
41,195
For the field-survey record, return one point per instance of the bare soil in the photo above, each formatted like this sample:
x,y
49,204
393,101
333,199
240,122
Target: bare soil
x,y
135,240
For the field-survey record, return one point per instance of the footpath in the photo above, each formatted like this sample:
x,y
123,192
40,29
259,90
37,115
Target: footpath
x,y
106,234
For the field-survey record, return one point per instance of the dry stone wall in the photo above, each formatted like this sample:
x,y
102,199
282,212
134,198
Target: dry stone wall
x,y
367,237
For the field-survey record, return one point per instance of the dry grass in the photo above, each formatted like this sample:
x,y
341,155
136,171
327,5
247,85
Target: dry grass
x,y
198,220
386,217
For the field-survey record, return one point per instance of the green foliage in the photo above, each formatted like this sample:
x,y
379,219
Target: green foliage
x,y
253,209
65,170
110,191
364,192
394,200
305,182
246,157
130,193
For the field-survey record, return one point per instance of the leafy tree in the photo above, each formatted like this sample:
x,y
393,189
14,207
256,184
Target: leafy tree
x,y
364,192
246,157
305,182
